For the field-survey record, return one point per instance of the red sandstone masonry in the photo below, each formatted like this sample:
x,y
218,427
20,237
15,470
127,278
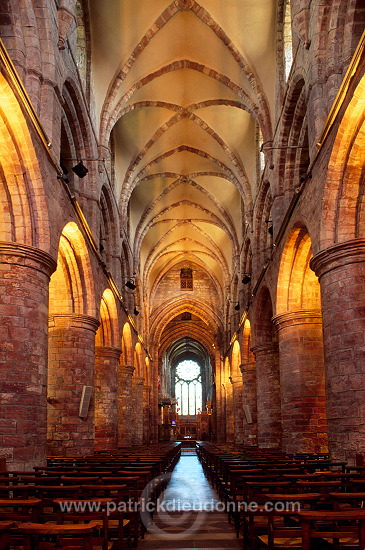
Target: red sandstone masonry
x,y
71,366
106,398
24,279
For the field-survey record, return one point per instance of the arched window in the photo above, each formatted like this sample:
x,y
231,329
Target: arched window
x,y
188,388
186,279
288,49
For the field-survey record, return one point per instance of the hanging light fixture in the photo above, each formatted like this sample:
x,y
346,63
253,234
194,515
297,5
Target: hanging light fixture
x,y
131,285
80,169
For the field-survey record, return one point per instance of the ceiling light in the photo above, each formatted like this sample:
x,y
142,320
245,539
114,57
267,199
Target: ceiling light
x,y
246,279
237,307
135,311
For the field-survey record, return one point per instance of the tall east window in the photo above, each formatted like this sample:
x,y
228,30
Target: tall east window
x,y
188,388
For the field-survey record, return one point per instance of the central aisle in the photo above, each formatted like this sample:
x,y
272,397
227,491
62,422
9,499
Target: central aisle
x,y
188,516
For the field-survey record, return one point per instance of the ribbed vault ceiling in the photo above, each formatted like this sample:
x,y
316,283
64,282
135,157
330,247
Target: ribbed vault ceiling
x,y
181,89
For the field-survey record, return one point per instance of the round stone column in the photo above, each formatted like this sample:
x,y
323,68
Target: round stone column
x,y
106,398
137,399
249,403
268,396
237,407
125,405
147,427
71,367
341,273
24,279
229,410
303,396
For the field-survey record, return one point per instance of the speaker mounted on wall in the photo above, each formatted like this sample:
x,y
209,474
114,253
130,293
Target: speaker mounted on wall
x,y
85,401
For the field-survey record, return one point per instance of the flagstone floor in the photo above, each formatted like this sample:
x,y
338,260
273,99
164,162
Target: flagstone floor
x,y
187,516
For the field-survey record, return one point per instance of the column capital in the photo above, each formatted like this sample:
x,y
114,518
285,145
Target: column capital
x,y
236,378
138,380
265,349
27,256
74,320
301,317
246,367
338,256
127,369
108,352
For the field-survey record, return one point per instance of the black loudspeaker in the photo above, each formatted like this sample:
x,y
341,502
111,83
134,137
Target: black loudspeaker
x,y
80,169
85,401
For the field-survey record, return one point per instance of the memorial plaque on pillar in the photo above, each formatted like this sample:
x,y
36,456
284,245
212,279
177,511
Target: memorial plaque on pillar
x,y
85,401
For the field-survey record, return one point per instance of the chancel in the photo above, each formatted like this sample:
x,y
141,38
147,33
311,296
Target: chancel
x,y
200,269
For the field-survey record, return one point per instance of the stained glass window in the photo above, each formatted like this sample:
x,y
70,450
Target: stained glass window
x,y
188,388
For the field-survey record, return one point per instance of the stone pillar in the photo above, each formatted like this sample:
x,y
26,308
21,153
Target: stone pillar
x,y
236,381
71,364
147,428
24,279
106,398
125,405
268,396
341,273
137,399
228,386
303,396
155,419
220,406
249,403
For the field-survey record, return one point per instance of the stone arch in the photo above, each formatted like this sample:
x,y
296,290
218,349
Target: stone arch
x,y
75,139
263,226
236,358
293,162
127,345
71,364
299,324
267,373
298,287
108,230
246,343
23,207
108,333
249,392
71,289
146,370
107,356
343,194
137,360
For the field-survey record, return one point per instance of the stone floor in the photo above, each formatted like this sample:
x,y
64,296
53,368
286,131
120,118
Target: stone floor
x,y
188,516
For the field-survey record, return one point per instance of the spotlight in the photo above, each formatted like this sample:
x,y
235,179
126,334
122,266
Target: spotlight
x,y
135,311
246,279
131,285
80,170
237,307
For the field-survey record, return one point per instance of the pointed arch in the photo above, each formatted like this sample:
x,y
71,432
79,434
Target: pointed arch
x,y
343,193
107,333
127,345
71,287
23,208
236,358
298,287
